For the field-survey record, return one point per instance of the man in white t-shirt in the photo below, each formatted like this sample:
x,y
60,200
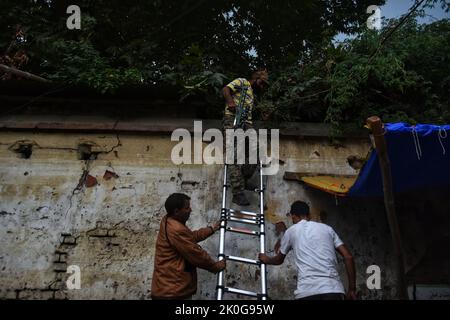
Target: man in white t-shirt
x,y
315,245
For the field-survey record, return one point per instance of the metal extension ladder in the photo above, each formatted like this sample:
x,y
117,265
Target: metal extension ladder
x,y
243,217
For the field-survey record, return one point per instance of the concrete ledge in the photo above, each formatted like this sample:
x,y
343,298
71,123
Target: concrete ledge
x,y
154,125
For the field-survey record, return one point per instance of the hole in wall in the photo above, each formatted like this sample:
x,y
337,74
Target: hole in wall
x,y
24,150
85,152
356,162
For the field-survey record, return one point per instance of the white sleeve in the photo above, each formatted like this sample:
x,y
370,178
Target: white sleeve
x,y
336,240
286,245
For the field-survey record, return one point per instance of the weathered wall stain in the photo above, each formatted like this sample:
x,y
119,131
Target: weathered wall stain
x,y
102,213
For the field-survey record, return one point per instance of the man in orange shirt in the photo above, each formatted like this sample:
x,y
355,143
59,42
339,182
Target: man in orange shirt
x,y
177,254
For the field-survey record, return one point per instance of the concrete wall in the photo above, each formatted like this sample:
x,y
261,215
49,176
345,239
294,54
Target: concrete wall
x,y
103,215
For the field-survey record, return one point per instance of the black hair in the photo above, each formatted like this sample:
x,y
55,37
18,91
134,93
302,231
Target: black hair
x,y
255,73
175,201
300,208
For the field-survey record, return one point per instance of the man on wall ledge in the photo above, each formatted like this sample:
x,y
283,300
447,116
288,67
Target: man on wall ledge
x,y
242,90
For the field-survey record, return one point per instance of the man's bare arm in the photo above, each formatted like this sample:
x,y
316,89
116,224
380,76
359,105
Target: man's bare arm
x,y
351,271
275,260
229,98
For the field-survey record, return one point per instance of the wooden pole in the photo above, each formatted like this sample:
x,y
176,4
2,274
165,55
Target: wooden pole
x,y
376,126
22,74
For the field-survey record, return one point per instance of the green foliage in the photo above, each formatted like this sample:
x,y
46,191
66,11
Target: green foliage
x,y
199,45
79,63
161,37
406,80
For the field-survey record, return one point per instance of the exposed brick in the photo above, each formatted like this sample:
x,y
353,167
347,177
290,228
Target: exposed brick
x,y
60,295
61,276
67,246
8,294
60,267
58,285
189,185
62,258
91,181
111,233
115,242
69,240
35,294
109,175
98,232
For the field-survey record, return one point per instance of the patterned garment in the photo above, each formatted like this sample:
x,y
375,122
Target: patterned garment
x,y
239,173
235,87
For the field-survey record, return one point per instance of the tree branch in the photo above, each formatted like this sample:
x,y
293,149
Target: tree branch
x,y
22,74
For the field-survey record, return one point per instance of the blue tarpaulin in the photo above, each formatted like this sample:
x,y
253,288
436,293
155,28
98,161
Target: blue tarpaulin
x,y
419,156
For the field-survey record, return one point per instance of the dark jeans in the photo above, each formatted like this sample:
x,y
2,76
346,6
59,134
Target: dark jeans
x,y
325,296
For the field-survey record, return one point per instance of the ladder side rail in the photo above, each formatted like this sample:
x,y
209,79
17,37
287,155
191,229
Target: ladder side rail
x,y
220,275
262,233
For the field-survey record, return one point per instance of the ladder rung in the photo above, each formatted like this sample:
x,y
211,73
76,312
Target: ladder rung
x,y
243,292
246,221
243,231
246,213
243,260
240,216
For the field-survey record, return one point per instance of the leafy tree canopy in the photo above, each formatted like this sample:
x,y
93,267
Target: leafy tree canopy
x,y
199,45
407,79
123,41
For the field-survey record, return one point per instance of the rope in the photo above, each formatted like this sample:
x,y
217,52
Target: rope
x,y
417,143
442,135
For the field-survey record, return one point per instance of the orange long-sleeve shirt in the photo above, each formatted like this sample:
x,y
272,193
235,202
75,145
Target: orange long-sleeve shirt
x,y
177,257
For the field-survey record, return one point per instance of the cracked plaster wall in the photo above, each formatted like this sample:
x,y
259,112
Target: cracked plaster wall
x,y
103,215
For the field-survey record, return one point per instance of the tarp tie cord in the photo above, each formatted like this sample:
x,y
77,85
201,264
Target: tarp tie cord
x,y
417,143
442,135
